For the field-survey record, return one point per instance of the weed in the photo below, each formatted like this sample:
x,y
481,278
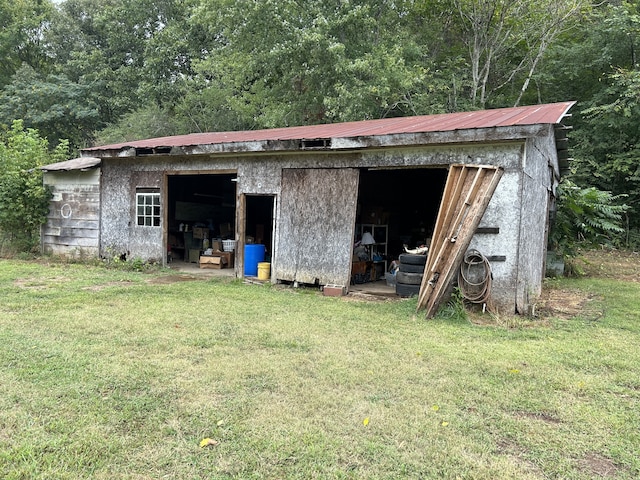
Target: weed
x,y
455,307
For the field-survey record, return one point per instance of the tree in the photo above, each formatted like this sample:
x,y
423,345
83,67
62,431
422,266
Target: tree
x,y
276,63
23,198
116,50
608,148
506,40
148,122
22,27
55,106
598,65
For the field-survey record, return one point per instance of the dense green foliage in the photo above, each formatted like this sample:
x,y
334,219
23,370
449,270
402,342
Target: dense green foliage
x,y
24,201
267,63
589,217
111,70
597,65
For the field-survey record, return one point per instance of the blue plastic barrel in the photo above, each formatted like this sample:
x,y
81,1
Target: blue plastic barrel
x,y
253,254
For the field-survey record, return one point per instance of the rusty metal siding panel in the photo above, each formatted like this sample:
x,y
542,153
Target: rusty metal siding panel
x,y
73,226
315,226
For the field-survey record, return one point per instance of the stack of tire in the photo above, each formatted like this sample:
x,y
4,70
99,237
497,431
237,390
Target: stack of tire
x,y
409,274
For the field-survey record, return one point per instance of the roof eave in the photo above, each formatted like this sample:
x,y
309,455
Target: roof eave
x,y
77,164
265,147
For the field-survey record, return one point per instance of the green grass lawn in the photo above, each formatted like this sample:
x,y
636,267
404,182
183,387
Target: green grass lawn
x,y
106,374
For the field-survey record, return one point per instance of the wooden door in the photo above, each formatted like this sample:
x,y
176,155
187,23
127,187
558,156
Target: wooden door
x,y
316,224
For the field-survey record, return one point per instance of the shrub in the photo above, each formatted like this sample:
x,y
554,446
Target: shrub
x,y
24,201
585,217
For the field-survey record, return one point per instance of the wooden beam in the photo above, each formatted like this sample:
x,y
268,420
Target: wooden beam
x,y
461,211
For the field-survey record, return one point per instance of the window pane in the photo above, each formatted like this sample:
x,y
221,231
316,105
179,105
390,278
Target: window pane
x,y
148,209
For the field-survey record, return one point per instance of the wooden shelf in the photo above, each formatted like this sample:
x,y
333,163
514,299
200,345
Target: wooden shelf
x,y
380,234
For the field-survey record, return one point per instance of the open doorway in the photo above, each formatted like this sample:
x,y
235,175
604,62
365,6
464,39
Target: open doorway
x,y
398,207
259,222
201,210
256,230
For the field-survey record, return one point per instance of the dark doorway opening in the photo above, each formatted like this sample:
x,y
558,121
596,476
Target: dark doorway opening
x,y
405,200
260,212
201,209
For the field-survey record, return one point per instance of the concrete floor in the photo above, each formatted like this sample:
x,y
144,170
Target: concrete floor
x,y
194,269
378,288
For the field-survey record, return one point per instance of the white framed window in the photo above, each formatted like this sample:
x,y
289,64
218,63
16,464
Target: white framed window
x,y
148,208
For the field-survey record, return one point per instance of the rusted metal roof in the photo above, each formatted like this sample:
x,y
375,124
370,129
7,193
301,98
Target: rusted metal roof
x,y
82,163
500,117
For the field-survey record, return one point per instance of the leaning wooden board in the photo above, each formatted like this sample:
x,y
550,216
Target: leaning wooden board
x,y
467,193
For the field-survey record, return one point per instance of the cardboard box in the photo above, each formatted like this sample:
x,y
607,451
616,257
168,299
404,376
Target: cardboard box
x,y
217,260
200,233
208,261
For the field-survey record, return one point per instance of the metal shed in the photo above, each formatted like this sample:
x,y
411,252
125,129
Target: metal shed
x,y
308,192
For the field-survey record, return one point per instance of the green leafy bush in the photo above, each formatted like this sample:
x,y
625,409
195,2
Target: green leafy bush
x,y
24,200
585,217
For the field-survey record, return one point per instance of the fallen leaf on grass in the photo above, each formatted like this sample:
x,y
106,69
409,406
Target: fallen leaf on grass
x,y
205,442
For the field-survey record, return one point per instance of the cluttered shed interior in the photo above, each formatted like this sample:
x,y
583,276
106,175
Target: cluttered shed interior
x,y
397,209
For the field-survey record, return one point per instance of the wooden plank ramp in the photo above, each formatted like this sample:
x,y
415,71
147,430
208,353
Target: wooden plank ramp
x,y
467,193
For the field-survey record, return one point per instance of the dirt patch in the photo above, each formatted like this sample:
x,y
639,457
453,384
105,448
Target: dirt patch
x,y
518,454
615,264
598,465
568,303
169,279
372,296
38,283
98,288
30,285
